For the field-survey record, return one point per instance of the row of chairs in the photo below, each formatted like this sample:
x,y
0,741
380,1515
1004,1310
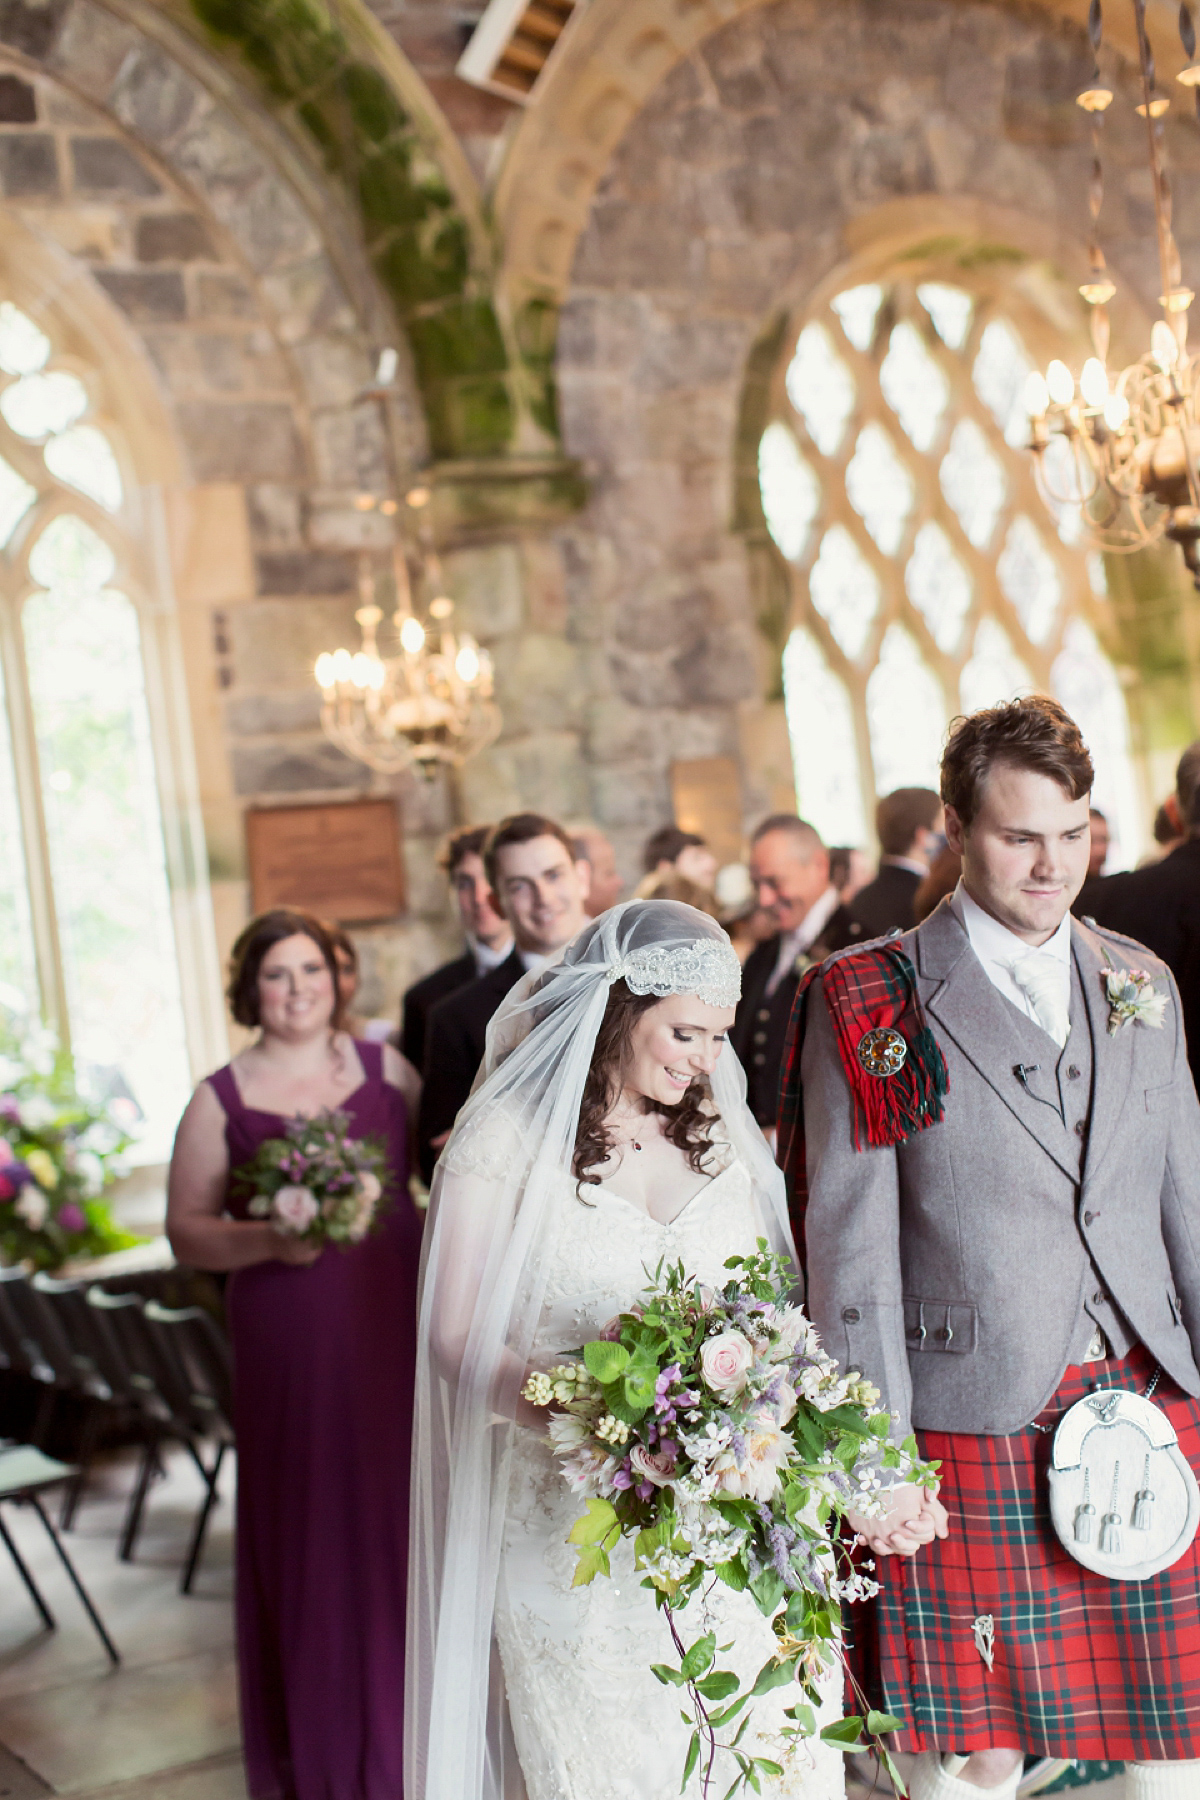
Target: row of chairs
x,y
156,1373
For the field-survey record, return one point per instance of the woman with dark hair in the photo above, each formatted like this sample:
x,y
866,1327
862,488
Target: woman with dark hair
x,y
324,1344
610,1135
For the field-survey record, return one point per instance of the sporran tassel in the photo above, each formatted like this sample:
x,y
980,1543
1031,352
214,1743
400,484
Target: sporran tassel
x,y
1143,1503
1085,1514
1110,1524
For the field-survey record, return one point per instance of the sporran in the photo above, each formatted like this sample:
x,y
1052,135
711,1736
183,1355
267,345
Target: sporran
x,y
1123,1499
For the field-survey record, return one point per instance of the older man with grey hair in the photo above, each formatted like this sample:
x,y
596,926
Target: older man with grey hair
x,y
1160,905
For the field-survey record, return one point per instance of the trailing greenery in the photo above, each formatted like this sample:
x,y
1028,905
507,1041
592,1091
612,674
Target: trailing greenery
x,y
416,236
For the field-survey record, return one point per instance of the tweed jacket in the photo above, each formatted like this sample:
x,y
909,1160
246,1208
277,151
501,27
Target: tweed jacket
x,y
952,1269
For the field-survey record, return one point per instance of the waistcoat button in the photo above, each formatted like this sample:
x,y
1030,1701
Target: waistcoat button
x,y
1080,1128
1098,1297
760,1037
1074,1072
851,1315
1088,1217
764,1012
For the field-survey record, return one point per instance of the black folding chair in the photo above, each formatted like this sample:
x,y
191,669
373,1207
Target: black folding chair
x,y
84,1363
25,1474
121,1326
195,1378
22,1350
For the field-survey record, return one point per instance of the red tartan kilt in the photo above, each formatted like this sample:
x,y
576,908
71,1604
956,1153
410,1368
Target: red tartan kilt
x,y
1084,1667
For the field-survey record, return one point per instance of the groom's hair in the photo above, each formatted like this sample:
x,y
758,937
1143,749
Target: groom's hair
x,y
1034,733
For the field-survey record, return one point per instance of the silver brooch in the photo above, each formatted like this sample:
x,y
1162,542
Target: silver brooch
x,y
882,1051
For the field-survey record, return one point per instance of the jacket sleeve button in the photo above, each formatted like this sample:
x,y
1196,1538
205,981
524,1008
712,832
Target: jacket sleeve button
x,y
1088,1217
851,1315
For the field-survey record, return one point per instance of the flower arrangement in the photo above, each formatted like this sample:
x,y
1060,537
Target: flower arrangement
x,y
58,1153
1132,998
713,1430
316,1181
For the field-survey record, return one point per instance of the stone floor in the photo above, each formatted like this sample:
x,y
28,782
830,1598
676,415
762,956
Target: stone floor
x,y
164,1725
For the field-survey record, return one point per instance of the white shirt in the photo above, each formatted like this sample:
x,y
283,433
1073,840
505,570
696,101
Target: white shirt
x,y
998,949
794,943
487,959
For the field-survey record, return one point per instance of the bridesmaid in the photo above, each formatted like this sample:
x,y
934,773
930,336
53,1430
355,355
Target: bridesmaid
x,y
324,1345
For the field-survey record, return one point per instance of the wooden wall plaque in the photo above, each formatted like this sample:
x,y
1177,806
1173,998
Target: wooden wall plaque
x,y
341,862
707,794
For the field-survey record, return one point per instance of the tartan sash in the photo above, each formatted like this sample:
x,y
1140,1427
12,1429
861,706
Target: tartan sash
x,y
868,990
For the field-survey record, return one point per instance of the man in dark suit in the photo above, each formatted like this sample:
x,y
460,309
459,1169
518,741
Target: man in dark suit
x,y
1160,905
539,885
789,867
489,938
907,824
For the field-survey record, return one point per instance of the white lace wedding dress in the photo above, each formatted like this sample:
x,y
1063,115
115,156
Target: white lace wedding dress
x,y
590,1720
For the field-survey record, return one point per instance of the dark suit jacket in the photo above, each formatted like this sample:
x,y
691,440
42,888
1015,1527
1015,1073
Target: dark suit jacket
x,y
759,1031
421,999
1160,907
454,1046
886,904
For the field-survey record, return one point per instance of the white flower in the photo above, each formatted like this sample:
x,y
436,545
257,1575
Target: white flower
x,y
538,1390
796,1332
755,1476
612,1431
32,1206
37,1112
369,1187
294,1209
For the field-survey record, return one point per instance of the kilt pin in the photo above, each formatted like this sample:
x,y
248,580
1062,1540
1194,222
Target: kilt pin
x,y
1021,1229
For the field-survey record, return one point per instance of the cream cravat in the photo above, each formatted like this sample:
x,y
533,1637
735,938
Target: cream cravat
x,y
1040,979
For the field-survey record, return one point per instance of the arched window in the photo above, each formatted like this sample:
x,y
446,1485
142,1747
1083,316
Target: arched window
x,y
928,577
86,928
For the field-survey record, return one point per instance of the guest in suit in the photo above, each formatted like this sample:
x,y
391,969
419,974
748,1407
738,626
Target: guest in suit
x,y
997,1197
1101,843
1160,904
488,935
606,885
908,824
789,867
539,886
670,851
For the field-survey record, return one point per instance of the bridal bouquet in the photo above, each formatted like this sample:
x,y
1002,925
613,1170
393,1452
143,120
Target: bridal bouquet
x,y
713,1430
316,1181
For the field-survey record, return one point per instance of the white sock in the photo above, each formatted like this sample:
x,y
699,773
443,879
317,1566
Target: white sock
x,y
1162,1780
930,1781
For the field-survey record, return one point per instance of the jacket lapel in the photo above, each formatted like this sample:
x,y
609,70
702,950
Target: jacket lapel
x,y
956,990
1112,1057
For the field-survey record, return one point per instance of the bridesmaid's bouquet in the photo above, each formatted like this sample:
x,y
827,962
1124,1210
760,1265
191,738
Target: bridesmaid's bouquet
x,y
712,1430
317,1182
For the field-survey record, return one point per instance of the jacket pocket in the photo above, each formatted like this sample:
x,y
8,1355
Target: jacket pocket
x,y
948,1325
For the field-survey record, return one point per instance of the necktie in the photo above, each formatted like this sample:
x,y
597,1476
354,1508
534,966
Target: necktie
x,y
1040,979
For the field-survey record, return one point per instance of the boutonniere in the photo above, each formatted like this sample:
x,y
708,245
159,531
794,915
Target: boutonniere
x,y
1132,998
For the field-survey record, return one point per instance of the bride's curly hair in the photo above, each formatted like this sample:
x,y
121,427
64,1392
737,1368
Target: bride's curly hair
x,y
687,1125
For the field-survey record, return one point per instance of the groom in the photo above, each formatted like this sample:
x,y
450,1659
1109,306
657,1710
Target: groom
x,y
996,1191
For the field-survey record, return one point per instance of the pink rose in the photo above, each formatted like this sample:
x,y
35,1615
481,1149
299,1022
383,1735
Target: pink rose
x,y
294,1209
369,1187
651,1465
726,1361
71,1217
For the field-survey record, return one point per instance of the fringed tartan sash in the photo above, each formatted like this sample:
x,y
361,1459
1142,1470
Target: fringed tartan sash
x,y
871,995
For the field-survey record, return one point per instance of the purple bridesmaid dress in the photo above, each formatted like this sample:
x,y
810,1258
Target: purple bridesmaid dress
x,y
324,1361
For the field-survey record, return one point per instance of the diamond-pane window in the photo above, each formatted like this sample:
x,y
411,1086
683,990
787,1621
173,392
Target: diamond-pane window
x,y
23,348
950,309
999,375
973,482
821,726
1086,682
906,715
820,387
790,495
16,498
845,590
38,405
1029,576
83,458
858,308
938,585
994,672
880,487
913,385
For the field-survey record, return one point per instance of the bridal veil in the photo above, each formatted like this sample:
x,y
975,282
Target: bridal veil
x,y
483,1284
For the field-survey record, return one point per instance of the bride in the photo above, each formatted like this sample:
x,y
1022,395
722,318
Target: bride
x,y
610,1133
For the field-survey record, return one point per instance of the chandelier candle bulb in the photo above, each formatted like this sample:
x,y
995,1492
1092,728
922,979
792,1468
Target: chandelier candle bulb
x,y
1036,395
1116,412
412,636
1093,383
1164,346
1060,383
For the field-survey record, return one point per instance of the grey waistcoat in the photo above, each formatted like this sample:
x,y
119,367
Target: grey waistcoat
x,y
959,1270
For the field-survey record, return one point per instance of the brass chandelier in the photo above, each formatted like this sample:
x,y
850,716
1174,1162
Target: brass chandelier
x,y
1125,448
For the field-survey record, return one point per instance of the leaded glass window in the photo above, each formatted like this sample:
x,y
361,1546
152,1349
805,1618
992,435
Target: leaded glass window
x,y
87,932
927,576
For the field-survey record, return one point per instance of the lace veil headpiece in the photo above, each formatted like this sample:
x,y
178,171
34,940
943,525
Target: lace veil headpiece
x,y
484,1277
